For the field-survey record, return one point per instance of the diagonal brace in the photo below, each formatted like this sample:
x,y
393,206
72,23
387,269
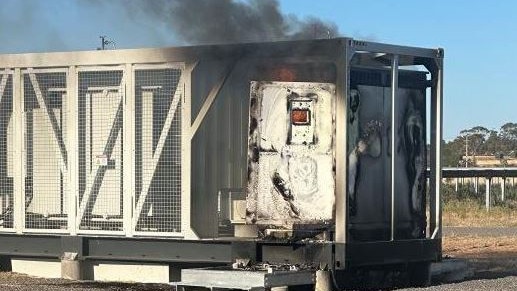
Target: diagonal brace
x,y
51,116
161,142
3,84
211,98
92,189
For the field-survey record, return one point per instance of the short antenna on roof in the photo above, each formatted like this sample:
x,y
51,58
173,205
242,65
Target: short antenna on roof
x,y
105,42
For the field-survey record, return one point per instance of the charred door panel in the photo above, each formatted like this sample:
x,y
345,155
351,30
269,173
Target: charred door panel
x,y
290,153
369,157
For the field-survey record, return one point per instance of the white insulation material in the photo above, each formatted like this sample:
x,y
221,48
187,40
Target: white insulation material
x,y
290,162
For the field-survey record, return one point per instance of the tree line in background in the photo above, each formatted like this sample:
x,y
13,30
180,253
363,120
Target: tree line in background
x,y
481,141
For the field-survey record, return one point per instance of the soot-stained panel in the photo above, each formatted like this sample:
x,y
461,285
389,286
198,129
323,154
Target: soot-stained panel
x,y
290,153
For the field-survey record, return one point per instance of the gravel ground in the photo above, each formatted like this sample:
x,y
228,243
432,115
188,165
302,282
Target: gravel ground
x,y
507,283
18,282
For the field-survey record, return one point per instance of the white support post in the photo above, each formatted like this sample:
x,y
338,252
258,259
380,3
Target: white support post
x,y
487,193
456,184
186,227
476,185
73,148
503,188
128,129
18,146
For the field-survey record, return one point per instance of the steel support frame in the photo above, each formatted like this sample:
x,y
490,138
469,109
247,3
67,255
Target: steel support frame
x,y
163,250
434,63
394,134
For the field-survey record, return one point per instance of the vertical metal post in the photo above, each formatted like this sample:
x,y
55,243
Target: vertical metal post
x,y
476,183
73,147
503,188
342,84
186,144
394,89
18,177
487,193
436,144
342,64
128,129
456,184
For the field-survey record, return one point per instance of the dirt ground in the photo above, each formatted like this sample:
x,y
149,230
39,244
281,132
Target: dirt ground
x,y
489,257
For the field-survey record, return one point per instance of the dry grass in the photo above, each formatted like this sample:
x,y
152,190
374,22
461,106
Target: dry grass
x,y
479,247
472,213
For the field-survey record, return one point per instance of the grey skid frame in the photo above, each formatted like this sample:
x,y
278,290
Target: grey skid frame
x,y
211,74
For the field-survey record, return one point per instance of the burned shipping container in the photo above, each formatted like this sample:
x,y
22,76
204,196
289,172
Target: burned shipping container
x,y
256,150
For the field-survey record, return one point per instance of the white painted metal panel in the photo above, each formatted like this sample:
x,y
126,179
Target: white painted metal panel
x,y
291,154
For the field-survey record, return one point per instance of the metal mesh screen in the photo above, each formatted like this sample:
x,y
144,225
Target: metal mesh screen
x,y
100,150
6,150
44,96
157,150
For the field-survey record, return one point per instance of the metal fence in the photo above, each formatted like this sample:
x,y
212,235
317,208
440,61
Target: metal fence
x,y
6,150
100,149
157,150
45,158
474,177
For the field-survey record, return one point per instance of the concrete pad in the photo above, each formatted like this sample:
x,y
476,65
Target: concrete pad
x,y
130,272
450,270
43,268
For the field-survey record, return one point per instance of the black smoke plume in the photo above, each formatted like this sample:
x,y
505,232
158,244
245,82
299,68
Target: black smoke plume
x,y
227,21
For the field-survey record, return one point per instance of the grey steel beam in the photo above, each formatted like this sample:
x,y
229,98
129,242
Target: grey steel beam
x,y
375,47
30,246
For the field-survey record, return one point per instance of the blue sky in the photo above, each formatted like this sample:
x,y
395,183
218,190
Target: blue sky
x,y
479,38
